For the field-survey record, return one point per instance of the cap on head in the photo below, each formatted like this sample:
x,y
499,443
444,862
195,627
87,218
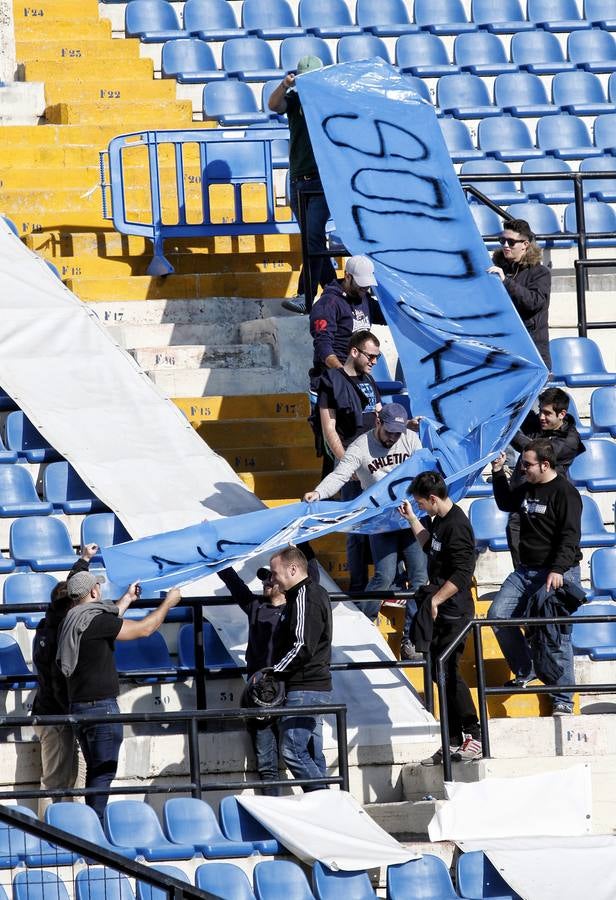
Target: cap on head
x,y
361,269
81,583
264,574
308,64
393,417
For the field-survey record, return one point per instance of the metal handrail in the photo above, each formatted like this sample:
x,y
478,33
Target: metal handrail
x,y
475,625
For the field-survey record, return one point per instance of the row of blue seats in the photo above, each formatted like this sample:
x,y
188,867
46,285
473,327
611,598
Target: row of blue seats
x,y
63,491
599,219
275,19
252,59
148,656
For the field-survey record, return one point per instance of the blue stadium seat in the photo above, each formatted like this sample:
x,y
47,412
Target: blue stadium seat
x,y
602,188
190,61
39,885
149,892
6,565
442,17
280,879
216,654
593,50
482,54
330,885
190,821
603,411
104,529
556,15
598,639
238,825
361,46
211,20
579,93
18,495
146,653
11,225
605,134
419,85
385,18
249,59
499,192
595,470
584,431
611,93
6,402
423,55
601,13
477,878
36,853
603,573
458,140
100,883
427,877
548,191
153,21
82,822
489,523
522,94
500,16
233,103
270,19
565,137
66,491
599,218
42,543
465,96
131,821
22,436
508,138
12,662
266,91
292,49
578,362
326,18
480,488
594,532
488,223
28,587
539,52
225,880
16,844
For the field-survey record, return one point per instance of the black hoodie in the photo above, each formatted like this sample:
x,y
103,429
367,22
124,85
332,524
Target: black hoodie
x,y
565,440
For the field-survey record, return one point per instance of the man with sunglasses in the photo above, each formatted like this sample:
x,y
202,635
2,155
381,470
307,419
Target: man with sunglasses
x,y
550,510
526,280
371,457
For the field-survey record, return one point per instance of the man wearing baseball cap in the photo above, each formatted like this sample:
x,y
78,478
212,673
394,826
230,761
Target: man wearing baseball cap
x,y
304,176
371,457
85,656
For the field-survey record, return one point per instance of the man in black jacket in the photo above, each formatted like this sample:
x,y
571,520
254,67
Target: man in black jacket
x,y
304,665
550,511
446,604
553,423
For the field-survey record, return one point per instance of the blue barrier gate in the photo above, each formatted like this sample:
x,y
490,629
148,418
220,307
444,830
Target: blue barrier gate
x,y
232,158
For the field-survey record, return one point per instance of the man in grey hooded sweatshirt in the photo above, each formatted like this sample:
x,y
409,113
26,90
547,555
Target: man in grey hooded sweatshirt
x,y
85,656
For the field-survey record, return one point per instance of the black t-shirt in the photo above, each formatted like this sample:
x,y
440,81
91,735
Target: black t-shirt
x,y
95,676
346,427
451,557
301,157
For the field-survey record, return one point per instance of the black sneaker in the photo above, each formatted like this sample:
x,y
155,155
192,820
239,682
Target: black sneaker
x,y
408,651
437,758
562,709
521,681
296,304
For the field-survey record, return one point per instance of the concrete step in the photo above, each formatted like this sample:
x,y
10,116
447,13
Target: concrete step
x,y
188,382
227,311
112,89
180,287
51,10
169,336
22,101
260,433
73,70
264,406
261,459
279,484
37,27
404,819
183,263
194,356
78,52
160,114
25,179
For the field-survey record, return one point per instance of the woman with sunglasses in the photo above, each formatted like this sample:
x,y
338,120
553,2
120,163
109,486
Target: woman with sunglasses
x,y
526,280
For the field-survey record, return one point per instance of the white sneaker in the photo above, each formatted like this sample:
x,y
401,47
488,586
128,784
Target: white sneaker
x,y
469,750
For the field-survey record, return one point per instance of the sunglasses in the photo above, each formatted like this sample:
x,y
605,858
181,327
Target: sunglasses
x,y
511,242
371,357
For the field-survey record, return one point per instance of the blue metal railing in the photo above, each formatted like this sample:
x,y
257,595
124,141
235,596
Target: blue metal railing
x,y
233,158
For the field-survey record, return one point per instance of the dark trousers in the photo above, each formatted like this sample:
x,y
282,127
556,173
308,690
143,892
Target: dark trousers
x,y
264,737
461,712
100,744
321,269
513,538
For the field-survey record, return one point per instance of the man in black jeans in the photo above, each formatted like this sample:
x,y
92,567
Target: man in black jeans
x,y
445,605
304,177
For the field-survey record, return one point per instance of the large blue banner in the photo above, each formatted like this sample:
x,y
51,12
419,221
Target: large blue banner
x,y
471,368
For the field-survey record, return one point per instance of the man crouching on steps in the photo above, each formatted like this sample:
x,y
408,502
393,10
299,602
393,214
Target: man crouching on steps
x,y
447,604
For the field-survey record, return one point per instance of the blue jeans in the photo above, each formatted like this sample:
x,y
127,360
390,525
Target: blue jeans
x,y
356,545
317,213
100,744
510,603
301,738
264,737
385,549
